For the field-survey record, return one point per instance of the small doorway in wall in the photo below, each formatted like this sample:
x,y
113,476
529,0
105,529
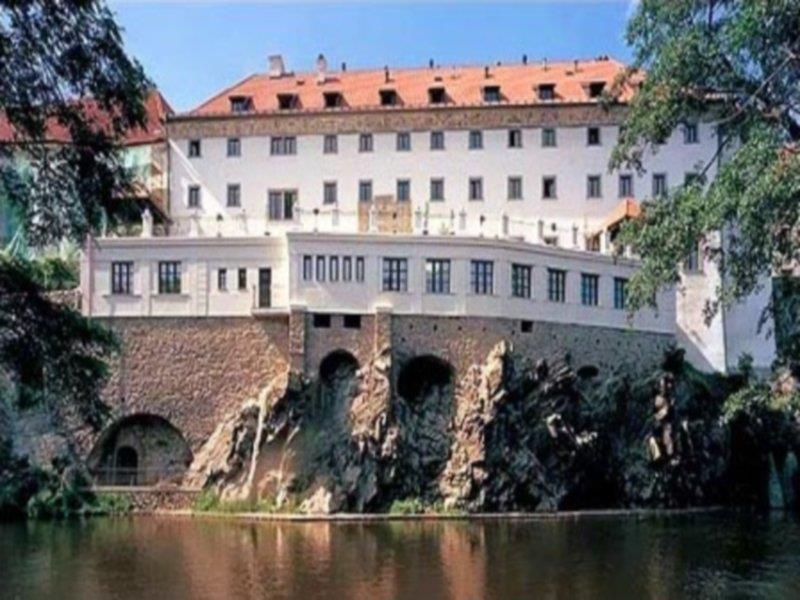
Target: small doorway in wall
x,y
264,288
126,466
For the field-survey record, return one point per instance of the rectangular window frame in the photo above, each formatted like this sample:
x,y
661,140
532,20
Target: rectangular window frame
x,y
475,190
437,189
366,143
169,277
594,187
403,141
590,289
521,280
122,278
330,144
481,277
437,140
233,195
437,276
233,147
556,285
515,191
394,274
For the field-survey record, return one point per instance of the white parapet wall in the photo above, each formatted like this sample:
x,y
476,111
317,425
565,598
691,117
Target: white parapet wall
x,y
204,292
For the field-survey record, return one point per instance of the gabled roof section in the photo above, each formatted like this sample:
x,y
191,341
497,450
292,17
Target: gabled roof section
x,y
157,110
464,86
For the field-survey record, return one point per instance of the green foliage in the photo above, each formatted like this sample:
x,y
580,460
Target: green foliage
x,y
786,303
52,55
408,506
210,501
737,63
50,350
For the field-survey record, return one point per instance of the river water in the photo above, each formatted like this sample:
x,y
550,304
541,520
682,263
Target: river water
x,y
689,556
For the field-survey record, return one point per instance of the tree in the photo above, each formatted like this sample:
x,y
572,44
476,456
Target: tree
x,y
736,62
68,92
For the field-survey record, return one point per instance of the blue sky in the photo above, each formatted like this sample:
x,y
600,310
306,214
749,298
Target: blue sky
x,y
195,49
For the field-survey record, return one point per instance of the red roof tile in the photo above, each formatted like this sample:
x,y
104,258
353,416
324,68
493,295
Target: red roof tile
x,y
156,107
463,85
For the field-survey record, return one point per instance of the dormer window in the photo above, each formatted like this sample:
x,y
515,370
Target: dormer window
x,y
491,93
241,104
333,99
596,89
547,91
437,95
388,97
288,101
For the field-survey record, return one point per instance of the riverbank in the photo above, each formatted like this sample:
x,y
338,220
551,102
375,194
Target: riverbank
x,y
574,515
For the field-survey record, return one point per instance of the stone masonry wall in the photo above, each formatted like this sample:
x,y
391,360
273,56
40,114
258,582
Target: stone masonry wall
x,y
193,371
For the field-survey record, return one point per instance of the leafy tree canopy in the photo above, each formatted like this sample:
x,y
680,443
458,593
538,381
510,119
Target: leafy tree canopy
x,y
68,92
735,62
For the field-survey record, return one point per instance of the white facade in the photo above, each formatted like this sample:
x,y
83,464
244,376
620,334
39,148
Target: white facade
x,y
571,162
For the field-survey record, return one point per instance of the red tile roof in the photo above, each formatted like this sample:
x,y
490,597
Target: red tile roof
x,y
464,86
156,107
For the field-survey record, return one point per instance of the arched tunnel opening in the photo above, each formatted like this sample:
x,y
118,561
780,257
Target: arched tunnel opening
x,y
139,450
425,407
337,385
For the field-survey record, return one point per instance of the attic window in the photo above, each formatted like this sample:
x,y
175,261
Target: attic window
x,y
241,103
491,93
333,99
436,95
547,91
596,89
288,101
388,97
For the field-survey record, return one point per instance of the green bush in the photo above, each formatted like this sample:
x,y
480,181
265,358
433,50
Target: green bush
x,y
408,506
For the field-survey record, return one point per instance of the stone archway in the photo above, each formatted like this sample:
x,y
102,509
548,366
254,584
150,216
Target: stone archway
x,y
139,450
337,381
424,408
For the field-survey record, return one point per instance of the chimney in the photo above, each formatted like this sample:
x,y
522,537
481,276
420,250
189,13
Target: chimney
x,y
576,65
524,59
430,63
545,64
386,77
322,68
276,68
486,74
344,67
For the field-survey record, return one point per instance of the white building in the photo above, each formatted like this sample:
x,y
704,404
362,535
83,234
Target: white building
x,y
470,191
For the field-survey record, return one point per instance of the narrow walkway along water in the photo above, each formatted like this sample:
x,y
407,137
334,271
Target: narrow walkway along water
x,y
698,555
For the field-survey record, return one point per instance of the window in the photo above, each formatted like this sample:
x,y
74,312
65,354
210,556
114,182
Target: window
x,y
222,280
437,95
329,192
365,142
122,278
347,268
437,190
491,93
482,277
282,146
556,285
333,99
475,140
620,293
169,277
234,147
547,91
395,274
308,267
476,188
437,276
333,268
596,89
242,280
234,195
288,101
281,205
692,262
403,141
330,144
403,190
515,188
593,136
593,186
388,97
589,289
365,190
241,104
690,133
194,148
521,281
320,268
548,137
548,188
321,321
515,138
352,321
659,184
359,269
526,326
437,140
194,196
626,186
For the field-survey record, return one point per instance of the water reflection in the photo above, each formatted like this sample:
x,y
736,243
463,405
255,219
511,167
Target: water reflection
x,y
691,556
